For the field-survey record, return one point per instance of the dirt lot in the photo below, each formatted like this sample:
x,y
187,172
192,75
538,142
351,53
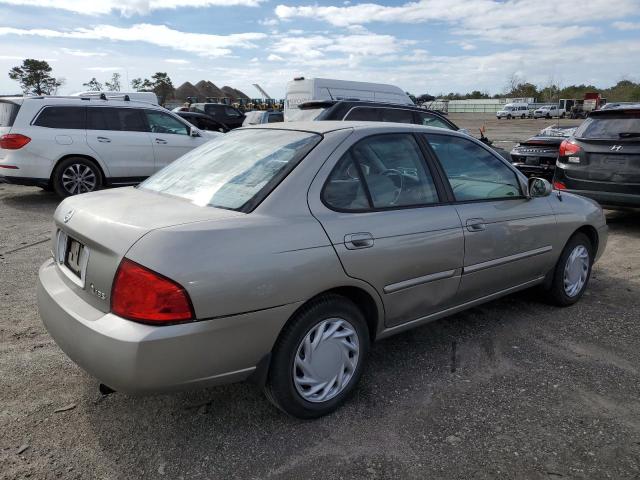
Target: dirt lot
x,y
512,389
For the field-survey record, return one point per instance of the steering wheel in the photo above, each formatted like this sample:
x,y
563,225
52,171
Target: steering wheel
x,y
392,172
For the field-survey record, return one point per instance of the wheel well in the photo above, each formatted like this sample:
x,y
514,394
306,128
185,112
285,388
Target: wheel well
x,y
592,235
365,303
360,298
74,155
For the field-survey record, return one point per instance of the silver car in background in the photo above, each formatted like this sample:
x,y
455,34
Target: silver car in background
x,y
280,253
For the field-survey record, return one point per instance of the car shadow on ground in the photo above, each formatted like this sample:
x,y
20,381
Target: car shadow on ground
x,y
29,200
234,428
627,221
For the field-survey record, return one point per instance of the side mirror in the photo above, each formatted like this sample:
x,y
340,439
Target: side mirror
x,y
539,187
194,132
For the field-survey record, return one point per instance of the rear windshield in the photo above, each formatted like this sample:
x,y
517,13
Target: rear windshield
x,y
8,112
235,171
611,127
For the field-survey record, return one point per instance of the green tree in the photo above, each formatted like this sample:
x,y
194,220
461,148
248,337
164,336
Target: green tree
x,y
34,77
141,85
93,85
160,84
114,84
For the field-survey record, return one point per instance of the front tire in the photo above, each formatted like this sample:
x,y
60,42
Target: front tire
x,y
318,358
572,272
75,175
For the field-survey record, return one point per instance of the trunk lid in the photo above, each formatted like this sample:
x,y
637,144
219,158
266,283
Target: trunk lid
x,y
616,164
95,231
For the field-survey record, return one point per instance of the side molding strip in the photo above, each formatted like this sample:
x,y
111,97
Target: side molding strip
x,y
412,282
503,260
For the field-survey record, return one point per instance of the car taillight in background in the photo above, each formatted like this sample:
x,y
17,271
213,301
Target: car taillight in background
x,y
13,141
140,294
570,150
559,185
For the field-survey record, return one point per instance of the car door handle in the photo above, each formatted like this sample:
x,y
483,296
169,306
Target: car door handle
x,y
476,225
354,241
104,140
161,141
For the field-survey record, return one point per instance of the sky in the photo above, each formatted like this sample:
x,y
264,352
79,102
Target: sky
x,y
425,46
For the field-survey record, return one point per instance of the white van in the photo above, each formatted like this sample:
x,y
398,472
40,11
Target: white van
x,y
302,90
513,110
148,97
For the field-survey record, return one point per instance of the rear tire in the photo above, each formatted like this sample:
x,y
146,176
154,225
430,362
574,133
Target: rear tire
x,y
572,272
318,358
75,175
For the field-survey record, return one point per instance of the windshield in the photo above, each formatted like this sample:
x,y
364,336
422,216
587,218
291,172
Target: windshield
x,y
306,115
508,109
235,171
610,127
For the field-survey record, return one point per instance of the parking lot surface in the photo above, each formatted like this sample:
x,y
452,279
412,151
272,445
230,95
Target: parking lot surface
x,y
512,389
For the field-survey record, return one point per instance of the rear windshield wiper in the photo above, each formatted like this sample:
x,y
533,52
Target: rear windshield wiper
x,y
629,134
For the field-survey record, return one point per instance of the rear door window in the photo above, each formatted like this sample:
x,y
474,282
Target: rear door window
x,y
396,115
62,117
383,171
8,113
364,114
116,119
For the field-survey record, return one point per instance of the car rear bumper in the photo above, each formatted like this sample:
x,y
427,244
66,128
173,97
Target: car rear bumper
x,y
136,358
610,199
32,182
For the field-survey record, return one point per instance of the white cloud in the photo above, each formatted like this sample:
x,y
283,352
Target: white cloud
x,y
202,44
104,69
128,7
269,22
626,25
299,49
177,61
82,53
275,58
491,20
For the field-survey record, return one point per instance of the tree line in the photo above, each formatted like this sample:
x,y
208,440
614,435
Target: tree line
x,y
517,87
35,78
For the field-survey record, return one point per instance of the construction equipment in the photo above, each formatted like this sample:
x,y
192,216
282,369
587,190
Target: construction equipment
x,y
264,94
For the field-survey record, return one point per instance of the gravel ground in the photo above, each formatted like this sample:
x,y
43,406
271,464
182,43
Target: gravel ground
x,y
512,389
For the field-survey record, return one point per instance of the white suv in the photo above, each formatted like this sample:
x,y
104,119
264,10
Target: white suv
x,y
79,144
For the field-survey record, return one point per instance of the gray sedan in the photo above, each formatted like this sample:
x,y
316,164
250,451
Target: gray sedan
x,y
280,253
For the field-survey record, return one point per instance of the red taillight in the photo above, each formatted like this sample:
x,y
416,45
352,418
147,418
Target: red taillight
x,y
559,185
568,148
143,295
13,141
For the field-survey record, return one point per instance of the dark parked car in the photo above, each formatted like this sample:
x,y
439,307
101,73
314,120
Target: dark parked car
x,y
203,121
536,157
602,158
230,116
381,112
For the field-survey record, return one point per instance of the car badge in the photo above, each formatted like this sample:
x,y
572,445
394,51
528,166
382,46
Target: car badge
x,y
68,215
616,148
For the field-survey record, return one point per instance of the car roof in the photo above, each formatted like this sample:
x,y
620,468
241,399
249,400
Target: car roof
x,y
325,126
617,108
369,103
90,101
